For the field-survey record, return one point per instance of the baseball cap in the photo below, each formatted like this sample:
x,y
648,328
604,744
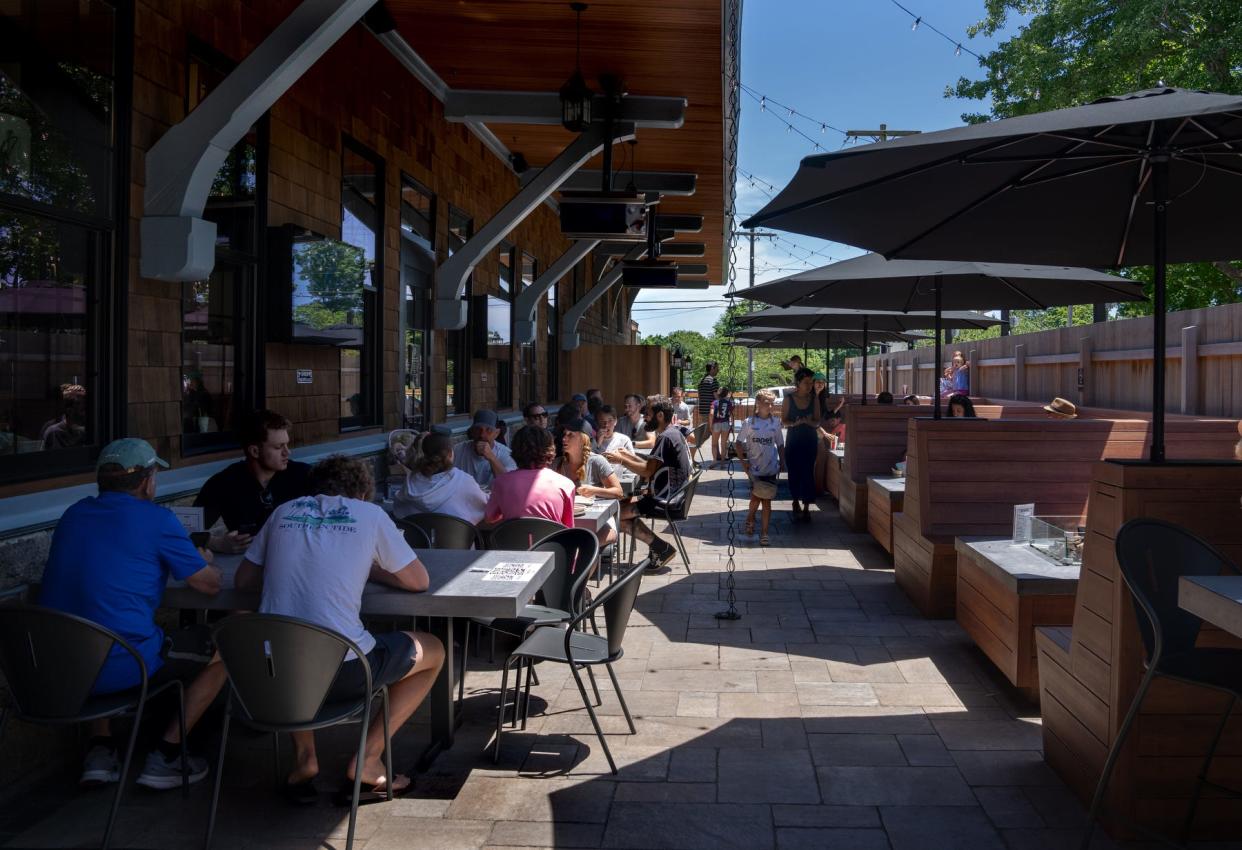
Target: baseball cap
x,y
131,453
578,397
485,417
819,376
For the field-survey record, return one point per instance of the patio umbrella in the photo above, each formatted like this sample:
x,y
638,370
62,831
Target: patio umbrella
x,y
785,338
1067,186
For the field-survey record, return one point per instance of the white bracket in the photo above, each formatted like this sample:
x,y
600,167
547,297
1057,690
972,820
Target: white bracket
x,y
569,334
528,299
450,309
177,243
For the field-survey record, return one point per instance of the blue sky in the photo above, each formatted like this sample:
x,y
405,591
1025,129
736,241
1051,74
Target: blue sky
x,y
852,64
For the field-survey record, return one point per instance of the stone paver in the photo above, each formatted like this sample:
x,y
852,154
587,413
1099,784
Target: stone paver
x,y
829,715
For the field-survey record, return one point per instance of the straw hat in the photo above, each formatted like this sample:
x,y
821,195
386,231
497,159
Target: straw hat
x,y
1061,408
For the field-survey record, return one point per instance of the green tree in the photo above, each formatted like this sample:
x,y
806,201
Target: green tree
x,y
333,273
1071,52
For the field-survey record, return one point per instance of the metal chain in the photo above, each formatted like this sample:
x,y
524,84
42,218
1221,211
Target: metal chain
x,y
733,82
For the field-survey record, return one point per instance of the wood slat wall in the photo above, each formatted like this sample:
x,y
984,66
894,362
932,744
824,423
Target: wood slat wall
x,y
1117,374
618,370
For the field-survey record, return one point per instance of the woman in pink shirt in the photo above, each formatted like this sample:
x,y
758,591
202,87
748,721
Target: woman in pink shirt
x,y
532,489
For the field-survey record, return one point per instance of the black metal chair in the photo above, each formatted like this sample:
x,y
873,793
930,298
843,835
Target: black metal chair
x,y
414,535
50,661
559,597
521,533
569,644
444,531
672,507
700,435
280,671
1154,555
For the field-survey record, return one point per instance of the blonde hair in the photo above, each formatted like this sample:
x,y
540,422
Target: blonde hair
x,y
579,474
764,395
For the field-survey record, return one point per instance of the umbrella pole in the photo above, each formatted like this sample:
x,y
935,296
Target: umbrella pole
x,y
1160,189
828,359
864,359
938,355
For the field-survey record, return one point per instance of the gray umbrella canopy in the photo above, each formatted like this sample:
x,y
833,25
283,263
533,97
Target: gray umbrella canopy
x,y
1150,177
871,282
821,318
786,338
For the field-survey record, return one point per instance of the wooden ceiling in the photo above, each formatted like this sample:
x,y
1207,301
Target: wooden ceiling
x,y
655,47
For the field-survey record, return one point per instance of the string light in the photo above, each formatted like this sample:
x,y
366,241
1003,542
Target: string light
x,y
914,26
918,20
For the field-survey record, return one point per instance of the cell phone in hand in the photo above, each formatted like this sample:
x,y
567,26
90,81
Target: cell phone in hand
x,y
251,528
200,539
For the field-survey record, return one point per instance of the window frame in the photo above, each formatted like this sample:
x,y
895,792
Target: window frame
x,y
462,354
404,321
371,359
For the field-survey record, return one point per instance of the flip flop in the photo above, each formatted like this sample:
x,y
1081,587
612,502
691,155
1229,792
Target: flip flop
x,y
372,793
301,793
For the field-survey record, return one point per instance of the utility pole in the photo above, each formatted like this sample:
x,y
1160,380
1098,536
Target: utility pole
x,y
750,352
881,135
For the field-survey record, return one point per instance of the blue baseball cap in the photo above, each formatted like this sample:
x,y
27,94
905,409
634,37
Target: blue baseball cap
x,y
130,453
578,397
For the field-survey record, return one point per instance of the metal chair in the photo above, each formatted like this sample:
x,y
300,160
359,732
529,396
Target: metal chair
x,y
582,650
521,533
280,671
50,661
700,435
674,507
1153,556
444,531
414,536
558,599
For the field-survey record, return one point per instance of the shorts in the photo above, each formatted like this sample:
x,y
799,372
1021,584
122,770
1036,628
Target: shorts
x,y
722,427
650,506
391,659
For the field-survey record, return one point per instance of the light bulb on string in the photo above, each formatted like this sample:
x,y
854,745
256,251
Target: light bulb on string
x,y
958,51
763,103
914,26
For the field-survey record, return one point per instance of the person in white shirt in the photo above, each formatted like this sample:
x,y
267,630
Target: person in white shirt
x,y
312,559
761,446
608,439
480,455
435,485
681,410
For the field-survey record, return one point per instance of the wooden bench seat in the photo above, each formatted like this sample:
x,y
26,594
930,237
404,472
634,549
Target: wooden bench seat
x,y
963,477
1003,593
885,495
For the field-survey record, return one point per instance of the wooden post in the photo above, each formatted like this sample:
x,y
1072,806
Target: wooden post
x,y
1084,370
1190,369
1019,371
973,383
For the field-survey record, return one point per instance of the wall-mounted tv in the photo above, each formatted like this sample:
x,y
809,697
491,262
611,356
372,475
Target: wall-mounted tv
x,y
316,289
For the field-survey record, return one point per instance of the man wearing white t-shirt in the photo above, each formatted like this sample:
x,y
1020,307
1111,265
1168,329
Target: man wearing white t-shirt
x,y
608,439
312,559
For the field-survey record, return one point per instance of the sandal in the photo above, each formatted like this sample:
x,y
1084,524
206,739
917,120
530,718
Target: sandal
x,y
371,793
750,528
763,541
302,793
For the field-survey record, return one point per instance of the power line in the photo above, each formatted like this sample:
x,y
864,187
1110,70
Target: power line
x,y
765,101
958,48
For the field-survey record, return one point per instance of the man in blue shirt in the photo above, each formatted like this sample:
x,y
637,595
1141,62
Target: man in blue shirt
x,y
111,557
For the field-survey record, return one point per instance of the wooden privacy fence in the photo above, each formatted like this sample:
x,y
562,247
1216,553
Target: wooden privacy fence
x,y
1107,364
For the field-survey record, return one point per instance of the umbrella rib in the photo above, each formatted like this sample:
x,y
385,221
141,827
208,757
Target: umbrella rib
x,y
1217,139
1226,169
1019,291
1073,172
997,160
1144,174
1092,140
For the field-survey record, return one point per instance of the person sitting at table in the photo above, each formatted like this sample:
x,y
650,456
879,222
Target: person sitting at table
x,y
911,400
1060,408
681,410
884,398
312,561
581,406
535,413
960,406
608,439
532,489
480,456
630,423
111,557
669,452
435,485
591,474
245,493
832,428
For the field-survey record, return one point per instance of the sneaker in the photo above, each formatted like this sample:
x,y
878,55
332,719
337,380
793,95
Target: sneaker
x,y
163,774
100,767
661,554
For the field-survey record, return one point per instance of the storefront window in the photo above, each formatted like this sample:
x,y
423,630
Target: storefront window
x,y
457,343
362,226
500,327
529,377
417,274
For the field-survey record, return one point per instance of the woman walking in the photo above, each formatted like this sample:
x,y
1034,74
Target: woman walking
x,y
802,414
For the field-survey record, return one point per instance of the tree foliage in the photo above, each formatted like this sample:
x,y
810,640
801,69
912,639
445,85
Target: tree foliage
x,y
1071,52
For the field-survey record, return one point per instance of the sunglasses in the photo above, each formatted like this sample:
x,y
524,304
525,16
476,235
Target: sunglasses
x,y
540,415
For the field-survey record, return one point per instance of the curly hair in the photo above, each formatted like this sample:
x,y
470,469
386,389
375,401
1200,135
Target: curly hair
x,y
532,447
578,476
338,475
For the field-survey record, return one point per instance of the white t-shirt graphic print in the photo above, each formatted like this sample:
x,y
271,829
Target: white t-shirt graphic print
x,y
316,553
761,439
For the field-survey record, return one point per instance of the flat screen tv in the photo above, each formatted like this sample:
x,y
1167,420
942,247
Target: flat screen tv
x,y
316,289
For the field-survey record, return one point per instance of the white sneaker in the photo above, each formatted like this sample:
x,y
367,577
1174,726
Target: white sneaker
x,y
100,767
163,774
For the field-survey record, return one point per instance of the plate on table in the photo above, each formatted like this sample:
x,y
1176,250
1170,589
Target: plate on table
x,y
584,501
579,510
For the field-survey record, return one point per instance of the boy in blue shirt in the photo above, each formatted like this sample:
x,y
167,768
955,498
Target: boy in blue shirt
x,y
111,557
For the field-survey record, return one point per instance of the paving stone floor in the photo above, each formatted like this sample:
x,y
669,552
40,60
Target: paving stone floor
x,y
830,715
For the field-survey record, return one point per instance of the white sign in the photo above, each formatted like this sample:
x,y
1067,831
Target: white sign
x,y
191,518
512,571
1022,522
304,376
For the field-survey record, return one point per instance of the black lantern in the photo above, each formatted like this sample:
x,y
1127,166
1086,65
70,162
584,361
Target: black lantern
x,y
677,361
576,95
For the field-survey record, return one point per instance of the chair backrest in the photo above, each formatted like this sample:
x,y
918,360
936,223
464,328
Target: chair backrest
x,y
51,659
700,434
521,533
446,531
692,484
575,550
415,536
617,600
280,668
1153,556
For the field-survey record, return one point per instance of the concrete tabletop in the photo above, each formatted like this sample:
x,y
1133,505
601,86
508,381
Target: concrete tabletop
x,y
597,515
891,483
1214,599
1020,567
457,587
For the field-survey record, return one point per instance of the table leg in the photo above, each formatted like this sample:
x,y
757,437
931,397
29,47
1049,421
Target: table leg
x,y
443,692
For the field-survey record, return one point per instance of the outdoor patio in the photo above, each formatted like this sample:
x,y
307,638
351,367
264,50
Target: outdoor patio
x,y
830,715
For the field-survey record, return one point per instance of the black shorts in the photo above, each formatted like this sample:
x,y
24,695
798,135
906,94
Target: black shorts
x,y
391,658
185,653
650,506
